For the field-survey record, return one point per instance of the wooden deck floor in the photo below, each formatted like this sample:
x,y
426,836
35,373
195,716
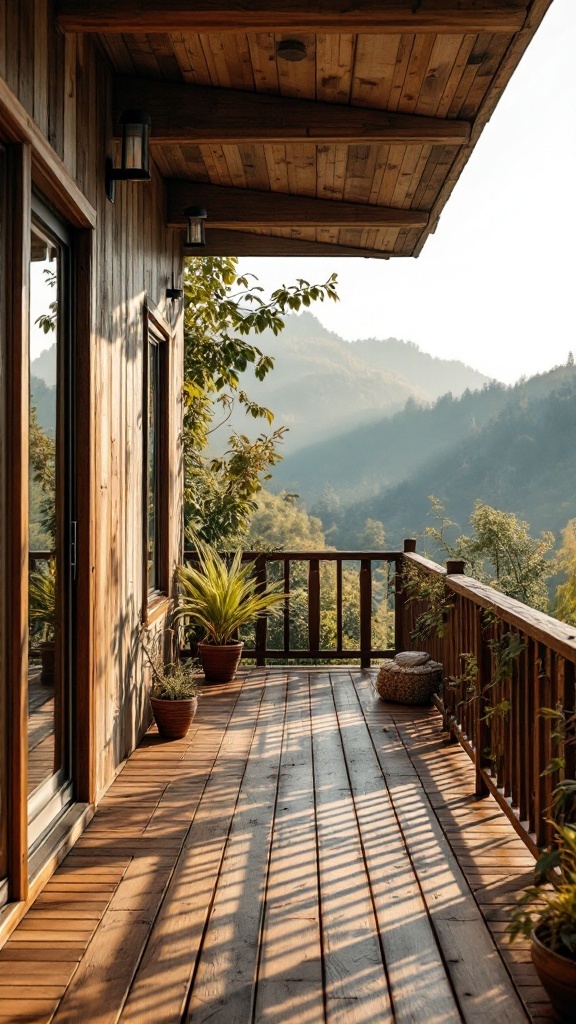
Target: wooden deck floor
x,y
306,854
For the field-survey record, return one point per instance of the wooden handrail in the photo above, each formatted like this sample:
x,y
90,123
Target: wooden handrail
x,y
363,649
474,629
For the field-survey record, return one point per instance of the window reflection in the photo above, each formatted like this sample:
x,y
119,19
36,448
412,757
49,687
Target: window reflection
x,y
45,696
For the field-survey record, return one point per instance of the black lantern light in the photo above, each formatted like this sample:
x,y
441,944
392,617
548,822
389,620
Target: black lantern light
x,y
135,156
196,230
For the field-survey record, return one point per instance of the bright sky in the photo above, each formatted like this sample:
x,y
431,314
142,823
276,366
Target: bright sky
x,y
495,286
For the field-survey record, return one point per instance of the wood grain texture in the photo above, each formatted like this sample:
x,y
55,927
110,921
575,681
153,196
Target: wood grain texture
x,y
331,859
294,15
189,114
241,207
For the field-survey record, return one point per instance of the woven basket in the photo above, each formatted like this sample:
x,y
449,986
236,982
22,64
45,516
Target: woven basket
x,y
409,684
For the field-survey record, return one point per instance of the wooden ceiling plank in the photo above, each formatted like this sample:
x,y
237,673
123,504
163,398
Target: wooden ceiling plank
x,y
254,166
277,164
400,71
374,69
231,16
331,167
243,243
190,57
183,113
456,74
335,57
419,61
229,207
264,64
442,59
302,169
297,79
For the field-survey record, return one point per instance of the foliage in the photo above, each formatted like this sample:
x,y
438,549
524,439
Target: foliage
x,y
42,602
221,595
426,589
223,308
505,649
501,553
565,600
551,911
170,681
279,523
42,450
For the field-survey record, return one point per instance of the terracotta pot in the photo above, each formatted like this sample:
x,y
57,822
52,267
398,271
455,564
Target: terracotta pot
x,y
173,717
558,976
220,663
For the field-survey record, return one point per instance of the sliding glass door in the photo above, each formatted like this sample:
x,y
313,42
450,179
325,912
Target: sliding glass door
x,y
3,575
51,523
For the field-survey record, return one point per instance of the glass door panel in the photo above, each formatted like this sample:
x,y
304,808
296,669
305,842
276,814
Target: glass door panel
x,y
49,712
3,588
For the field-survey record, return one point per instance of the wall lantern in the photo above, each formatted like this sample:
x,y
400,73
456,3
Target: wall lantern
x,y
134,164
196,230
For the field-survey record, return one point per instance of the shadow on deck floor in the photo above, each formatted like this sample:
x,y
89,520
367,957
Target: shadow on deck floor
x,y
306,854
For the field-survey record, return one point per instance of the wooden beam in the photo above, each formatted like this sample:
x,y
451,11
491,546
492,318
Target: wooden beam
x,y
338,16
243,243
192,114
241,207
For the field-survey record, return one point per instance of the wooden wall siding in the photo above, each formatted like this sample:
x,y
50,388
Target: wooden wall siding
x,y
65,85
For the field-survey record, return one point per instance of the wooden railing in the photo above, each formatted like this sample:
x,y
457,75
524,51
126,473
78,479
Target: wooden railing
x,y
283,566
503,662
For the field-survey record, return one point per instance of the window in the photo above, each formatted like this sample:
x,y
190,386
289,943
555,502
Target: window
x,y
156,478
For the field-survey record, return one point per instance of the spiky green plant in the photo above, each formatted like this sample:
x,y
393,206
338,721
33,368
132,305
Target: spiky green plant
x,y
42,602
220,595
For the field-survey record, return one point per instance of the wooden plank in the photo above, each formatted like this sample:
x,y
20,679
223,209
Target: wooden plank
x,y
244,243
224,981
237,207
190,114
355,978
17,439
49,171
176,937
473,961
420,988
290,963
222,16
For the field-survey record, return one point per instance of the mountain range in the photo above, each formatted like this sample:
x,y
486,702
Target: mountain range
x,y
513,448
322,386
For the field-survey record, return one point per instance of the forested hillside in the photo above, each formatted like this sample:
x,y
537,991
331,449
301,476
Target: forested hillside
x,y
323,386
522,459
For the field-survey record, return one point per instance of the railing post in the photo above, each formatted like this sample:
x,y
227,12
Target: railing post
x,y
261,631
400,600
365,612
314,605
481,730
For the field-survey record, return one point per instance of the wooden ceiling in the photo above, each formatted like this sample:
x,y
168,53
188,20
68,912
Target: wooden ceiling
x,y
352,151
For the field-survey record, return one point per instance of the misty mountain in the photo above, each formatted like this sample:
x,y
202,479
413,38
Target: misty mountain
x,y
522,460
44,366
322,386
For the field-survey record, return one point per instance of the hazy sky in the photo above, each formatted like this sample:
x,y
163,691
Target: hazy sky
x,y
495,286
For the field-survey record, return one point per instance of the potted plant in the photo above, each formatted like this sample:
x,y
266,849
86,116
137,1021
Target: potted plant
x,y
42,613
220,595
547,914
175,689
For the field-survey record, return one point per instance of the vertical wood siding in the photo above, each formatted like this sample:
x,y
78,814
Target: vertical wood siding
x,y
65,85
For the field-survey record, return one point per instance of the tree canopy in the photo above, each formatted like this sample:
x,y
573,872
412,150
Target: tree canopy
x,y
223,311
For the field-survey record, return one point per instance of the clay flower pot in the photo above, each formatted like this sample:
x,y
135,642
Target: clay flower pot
x,y
558,976
173,717
220,662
